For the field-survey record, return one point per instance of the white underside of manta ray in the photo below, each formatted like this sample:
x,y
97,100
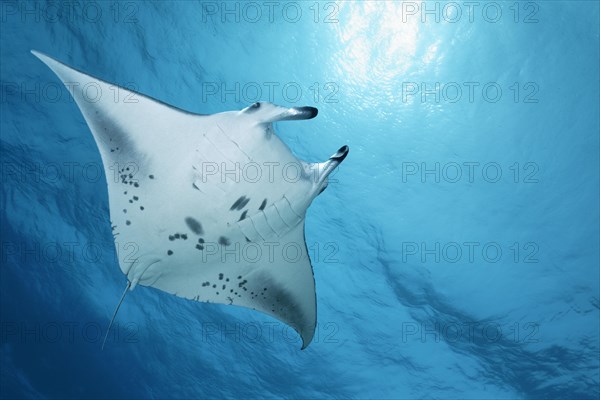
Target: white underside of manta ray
x,y
206,207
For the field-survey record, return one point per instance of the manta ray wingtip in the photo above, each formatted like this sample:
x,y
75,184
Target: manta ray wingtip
x,y
39,54
46,59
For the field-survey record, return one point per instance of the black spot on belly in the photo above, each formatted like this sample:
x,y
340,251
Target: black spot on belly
x,y
151,176
263,205
176,236
220,277
243,216
171,237
184,236
224,241
240,203
127,222
170,252
194,225
199,247
243,204
236,204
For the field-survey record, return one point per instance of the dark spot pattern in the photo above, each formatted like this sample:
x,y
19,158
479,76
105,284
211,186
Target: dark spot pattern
x,y
170,252
128,222
222,287
177,236
194,225
263,205
223,241
235,205
240,203
243,216
151,176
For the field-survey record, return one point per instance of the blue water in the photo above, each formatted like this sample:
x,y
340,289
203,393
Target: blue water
x,y
456,255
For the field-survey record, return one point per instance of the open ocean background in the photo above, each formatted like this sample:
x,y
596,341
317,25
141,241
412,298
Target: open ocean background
x,y
456,256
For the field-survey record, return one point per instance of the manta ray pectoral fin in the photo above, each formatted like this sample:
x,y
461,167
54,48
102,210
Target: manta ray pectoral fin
x,y
124,123
280,284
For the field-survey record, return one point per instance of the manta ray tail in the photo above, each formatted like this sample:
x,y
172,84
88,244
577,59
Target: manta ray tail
x,y
115,313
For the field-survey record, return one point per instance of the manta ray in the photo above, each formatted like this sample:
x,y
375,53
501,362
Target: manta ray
x,y
206,207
